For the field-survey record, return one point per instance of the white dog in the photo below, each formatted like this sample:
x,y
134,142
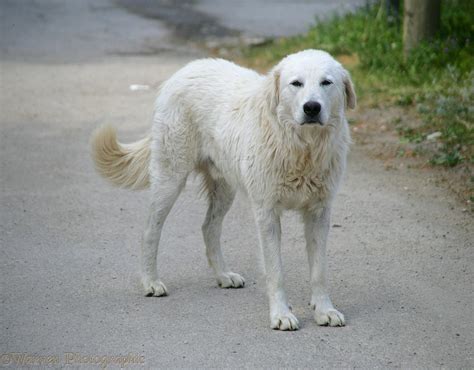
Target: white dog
x,y
282,139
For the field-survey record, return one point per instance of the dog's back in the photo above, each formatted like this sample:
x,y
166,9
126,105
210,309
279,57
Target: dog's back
x,y
207,86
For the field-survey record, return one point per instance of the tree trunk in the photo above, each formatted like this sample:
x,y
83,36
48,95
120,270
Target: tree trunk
x,y
420,22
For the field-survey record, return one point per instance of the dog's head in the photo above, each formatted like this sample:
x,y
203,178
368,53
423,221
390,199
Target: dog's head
x,y
309,88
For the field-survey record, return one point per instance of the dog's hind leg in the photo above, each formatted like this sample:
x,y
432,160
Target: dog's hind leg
x,y
221,196
165,191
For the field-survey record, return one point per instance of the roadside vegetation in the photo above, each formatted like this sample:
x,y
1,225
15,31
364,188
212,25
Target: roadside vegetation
x,y
435,83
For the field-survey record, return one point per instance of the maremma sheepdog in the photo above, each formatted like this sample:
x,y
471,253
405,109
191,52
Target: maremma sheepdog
x,y
280,138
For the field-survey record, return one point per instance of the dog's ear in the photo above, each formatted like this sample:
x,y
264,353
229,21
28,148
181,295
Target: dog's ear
x,y
349,92
272,88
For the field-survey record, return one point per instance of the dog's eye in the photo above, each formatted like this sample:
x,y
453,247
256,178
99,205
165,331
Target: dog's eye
x,y
326,82
297,83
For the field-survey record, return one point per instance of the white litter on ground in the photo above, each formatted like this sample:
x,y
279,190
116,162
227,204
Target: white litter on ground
x,y
137,87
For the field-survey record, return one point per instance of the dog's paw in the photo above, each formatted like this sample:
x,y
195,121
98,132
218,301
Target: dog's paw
x,y
331,317
286,321
230,280
154,288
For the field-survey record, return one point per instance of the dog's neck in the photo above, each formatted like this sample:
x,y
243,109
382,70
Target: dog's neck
x,y
285,141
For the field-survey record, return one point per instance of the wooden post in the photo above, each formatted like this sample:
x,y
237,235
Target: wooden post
x,y
421,20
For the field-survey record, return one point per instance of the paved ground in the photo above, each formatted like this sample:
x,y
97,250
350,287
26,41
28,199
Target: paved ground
x,y
247,18
400,264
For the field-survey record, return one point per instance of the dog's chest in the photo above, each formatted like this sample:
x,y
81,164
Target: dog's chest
x,y
304,182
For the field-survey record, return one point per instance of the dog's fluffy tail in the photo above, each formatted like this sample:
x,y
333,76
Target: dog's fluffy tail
x,y
124,165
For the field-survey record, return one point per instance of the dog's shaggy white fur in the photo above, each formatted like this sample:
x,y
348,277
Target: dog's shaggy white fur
x,y
282,139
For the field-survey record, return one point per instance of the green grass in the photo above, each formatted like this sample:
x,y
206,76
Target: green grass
x,y
437,79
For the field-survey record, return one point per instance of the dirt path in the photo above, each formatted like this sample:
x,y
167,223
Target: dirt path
x,y
400,254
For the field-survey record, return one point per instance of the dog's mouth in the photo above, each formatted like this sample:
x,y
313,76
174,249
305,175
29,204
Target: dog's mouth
x,y
312,122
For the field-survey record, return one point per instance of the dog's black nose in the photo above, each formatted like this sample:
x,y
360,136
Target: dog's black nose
x,y
312,108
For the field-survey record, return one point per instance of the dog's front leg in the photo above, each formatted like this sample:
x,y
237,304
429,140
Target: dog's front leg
x,y
316,232
268,224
